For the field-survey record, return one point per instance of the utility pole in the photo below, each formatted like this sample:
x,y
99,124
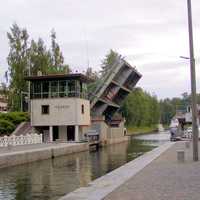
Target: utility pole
x,y
193,84
29,87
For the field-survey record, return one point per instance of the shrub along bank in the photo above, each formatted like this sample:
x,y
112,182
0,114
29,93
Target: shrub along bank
x,y
9,121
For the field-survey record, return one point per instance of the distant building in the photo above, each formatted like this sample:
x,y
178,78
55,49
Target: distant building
x,y
185,116
59,106
188,114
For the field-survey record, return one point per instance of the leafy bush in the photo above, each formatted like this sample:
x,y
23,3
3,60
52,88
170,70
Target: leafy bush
x,y
9,121
6,127
15,117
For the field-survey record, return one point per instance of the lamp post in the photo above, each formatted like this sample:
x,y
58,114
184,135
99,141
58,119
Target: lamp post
x,y
193,84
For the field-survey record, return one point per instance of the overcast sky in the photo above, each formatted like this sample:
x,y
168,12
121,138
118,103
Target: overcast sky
x,y
151,34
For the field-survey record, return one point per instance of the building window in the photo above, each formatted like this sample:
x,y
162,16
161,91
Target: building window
x,y
82,109
45,109
37,90
72,88
45,89
62,88
54,89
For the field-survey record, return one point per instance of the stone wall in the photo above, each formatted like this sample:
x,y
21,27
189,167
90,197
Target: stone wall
x,y
22,157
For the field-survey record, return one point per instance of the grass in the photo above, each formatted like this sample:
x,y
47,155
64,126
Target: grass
x,y
165,126
132,130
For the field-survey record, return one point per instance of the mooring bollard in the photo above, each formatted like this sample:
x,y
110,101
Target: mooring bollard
x,y
187,145
181,156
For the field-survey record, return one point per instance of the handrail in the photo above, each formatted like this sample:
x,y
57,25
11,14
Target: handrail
x,y
13,140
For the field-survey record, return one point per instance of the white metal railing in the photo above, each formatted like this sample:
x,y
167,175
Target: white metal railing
x,y
13,140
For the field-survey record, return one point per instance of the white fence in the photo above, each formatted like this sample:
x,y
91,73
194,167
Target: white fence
x,y
13,140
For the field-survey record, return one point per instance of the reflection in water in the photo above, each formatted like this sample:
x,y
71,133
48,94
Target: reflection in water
x,y
51,179
155,138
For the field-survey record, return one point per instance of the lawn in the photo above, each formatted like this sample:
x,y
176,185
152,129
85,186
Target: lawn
x,y
132,130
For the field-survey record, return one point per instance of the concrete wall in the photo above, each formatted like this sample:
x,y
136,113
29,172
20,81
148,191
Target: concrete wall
x,y
83,118
62,111
63,133
102,128
116,132
109,135
22,157
82,131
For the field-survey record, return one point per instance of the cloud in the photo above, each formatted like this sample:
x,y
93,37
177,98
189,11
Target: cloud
x,y
150,34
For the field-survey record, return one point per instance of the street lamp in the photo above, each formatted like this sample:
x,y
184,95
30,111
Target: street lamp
x,y
193,84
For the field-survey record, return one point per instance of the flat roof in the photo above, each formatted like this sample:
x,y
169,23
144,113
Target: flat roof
x,y
50,77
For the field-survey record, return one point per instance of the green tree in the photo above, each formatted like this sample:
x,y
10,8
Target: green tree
x,y
108,61
167,110
40,57
57,59
18,62
141,109
24,58
4,92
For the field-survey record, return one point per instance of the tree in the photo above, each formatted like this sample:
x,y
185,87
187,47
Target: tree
x,y
108,61
4,90
18,62
167,110
25,56
57,59
40,57
141,109
93,75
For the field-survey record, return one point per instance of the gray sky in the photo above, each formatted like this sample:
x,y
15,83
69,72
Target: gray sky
x,y
151,34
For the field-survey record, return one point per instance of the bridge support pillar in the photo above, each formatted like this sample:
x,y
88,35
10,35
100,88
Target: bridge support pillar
x,y
76,133
50,133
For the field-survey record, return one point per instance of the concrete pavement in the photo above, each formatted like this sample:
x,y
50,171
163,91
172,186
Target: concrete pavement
x,y
101,187
163,179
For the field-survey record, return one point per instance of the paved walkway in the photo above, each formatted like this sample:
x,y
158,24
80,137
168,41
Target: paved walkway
x,y
163,179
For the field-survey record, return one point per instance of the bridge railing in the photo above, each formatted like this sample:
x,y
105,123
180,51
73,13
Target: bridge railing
x,y
13,140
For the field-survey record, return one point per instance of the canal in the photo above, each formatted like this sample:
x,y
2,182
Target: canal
x,y
52,179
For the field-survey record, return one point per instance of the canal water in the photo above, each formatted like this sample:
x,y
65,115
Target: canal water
x,y
51,179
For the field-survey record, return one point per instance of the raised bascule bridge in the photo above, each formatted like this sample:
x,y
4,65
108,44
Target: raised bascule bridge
x,y
113,88
108,97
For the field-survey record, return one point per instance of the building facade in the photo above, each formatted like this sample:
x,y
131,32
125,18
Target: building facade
x,y
60,109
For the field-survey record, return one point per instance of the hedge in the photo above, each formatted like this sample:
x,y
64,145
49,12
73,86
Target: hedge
x,y
9,121
6,127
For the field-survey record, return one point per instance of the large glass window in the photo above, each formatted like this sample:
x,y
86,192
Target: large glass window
x,y
84,90
45,89
62,88
78,88
54,89
32,89
37,89
71,88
